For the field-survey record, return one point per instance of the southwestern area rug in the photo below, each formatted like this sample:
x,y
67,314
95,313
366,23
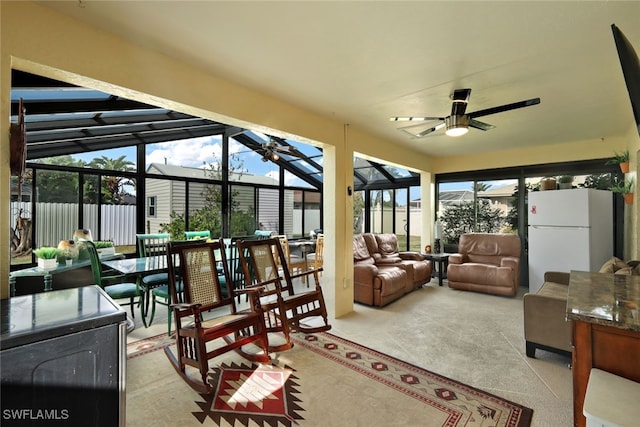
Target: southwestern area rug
x,y
323,381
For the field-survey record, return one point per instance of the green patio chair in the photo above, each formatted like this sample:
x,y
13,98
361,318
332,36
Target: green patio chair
x,y
197,234
114,285
152,245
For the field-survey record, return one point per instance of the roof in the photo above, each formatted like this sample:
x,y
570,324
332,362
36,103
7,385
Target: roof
x,y
189,172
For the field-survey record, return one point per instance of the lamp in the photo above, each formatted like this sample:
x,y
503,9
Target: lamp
x,y
457,125
437,234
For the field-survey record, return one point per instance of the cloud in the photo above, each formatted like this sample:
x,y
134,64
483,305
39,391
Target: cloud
x,y
187,152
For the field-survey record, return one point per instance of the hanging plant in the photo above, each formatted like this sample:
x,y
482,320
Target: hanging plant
x,y
625,188
621,159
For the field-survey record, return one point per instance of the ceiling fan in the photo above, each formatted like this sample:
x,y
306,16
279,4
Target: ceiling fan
x,y
271,150
458,123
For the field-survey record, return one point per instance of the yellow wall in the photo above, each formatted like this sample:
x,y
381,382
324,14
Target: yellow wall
x,y
38,40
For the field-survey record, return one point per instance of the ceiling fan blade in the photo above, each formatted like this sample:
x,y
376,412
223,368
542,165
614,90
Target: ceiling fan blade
x,y
289,150
506,107
480,125
460,99
430,130
414,119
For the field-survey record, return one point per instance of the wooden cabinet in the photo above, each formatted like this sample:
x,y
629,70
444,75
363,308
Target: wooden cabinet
x,y
611,349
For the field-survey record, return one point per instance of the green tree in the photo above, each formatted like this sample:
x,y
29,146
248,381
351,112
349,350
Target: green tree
x,y
58,186
209,216
468,217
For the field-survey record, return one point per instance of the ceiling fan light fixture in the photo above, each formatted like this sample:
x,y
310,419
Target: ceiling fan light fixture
x,y
457,125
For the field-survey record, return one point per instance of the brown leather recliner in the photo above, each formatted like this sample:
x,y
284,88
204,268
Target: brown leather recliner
x,y
486,262
384,249
372,284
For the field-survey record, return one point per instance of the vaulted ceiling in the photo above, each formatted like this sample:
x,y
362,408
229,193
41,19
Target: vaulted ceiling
x,y
362,62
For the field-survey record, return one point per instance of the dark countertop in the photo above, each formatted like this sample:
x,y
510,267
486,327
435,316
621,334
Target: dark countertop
x,y
37,317
604,299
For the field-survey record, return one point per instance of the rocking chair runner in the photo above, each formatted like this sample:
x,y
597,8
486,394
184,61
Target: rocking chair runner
x,y
195,266
284,310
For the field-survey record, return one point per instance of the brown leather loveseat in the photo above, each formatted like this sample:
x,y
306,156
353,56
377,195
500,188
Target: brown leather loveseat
x,y
383,274
486,262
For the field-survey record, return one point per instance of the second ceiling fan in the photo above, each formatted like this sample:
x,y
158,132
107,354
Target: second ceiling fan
x,y
459,122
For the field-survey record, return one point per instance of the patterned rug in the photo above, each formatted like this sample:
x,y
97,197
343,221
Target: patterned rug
x,y
327,380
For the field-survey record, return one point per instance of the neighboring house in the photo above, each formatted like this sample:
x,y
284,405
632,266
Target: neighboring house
x,y
500,197
165,196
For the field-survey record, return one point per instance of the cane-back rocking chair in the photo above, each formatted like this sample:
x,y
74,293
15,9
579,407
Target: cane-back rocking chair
x,y
194,270
285,310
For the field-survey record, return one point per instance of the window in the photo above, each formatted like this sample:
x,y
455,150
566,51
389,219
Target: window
x,y
151,206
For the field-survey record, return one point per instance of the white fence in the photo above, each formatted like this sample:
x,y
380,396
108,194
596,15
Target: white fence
x,y
58,221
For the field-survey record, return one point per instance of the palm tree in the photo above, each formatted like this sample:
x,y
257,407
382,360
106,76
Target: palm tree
x,y
113,186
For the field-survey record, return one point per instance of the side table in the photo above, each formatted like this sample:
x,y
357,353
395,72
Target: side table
x,y
441,261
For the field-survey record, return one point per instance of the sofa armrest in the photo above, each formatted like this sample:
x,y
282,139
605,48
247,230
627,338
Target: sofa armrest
x,y
457,259
414,256
557,277
364,273
511,262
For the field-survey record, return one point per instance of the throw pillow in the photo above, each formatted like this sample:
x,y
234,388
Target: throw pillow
x,y
613,265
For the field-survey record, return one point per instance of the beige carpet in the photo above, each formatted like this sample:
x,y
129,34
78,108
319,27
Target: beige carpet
x,y
324,380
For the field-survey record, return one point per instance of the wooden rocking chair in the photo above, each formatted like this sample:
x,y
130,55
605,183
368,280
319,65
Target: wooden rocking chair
x,y
285,310
193,269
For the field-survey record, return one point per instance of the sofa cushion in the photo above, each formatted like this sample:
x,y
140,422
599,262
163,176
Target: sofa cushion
x,y
360,251
483,246
481,274
613,265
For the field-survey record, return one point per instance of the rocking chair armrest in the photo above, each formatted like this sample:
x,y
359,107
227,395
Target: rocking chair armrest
x,y
194,308
252,290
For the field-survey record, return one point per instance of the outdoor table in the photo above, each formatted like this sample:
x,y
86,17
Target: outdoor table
x,y
47,275
139,267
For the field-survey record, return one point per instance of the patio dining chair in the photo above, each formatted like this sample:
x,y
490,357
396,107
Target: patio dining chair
x,y
294,263
197,234
116,286
152,245
285,310
204,314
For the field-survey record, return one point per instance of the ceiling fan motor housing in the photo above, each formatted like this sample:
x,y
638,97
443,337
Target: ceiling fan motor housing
x,y
457,121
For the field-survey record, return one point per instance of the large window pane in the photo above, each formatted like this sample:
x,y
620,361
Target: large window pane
x,y
56,207
358,212
21,220
164,207
268,209
243,210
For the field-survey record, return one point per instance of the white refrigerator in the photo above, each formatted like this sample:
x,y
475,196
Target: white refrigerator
x,y
568,230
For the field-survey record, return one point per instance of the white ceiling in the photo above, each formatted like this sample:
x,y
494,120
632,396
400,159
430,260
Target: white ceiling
x,y
362,62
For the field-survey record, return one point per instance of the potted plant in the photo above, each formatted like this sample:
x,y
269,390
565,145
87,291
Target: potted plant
x,y
625,188
565,182
47,257
621,159
105,247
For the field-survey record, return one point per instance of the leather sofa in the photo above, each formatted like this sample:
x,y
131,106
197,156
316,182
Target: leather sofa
x,y
383,274
486,262
545,316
